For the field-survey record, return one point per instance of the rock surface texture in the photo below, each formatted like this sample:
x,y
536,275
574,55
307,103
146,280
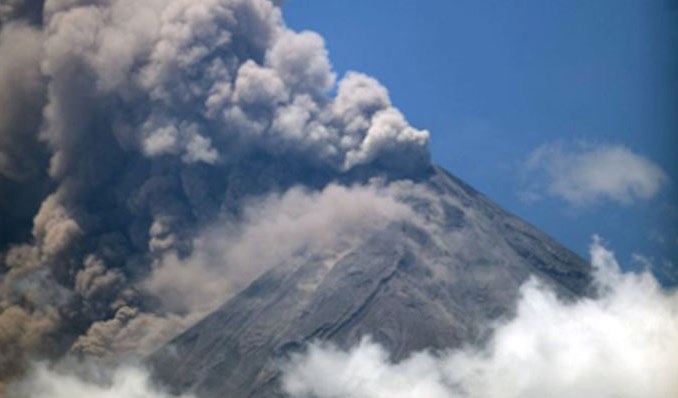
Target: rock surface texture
x,y
435,282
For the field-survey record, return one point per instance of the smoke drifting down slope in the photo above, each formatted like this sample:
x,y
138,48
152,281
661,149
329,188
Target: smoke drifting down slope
x,y
158,156
623,343
127,127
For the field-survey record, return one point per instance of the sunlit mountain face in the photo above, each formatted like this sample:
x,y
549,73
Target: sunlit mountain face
x,y
435,276
194,203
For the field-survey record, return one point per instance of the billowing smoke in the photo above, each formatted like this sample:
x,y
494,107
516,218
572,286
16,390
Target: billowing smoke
x,y
227,256
624,343
128,127
157,156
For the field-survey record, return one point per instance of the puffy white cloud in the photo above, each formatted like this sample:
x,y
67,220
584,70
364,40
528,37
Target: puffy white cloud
x,y
585,174
623,343
363,371
123,382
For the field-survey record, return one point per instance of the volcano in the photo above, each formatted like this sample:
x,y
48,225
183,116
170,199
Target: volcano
x,y
431,284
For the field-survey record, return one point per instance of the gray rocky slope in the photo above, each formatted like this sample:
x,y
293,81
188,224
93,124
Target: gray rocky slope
x,y
411,286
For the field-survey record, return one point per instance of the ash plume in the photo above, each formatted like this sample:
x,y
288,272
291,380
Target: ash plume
x,y
127,127
26,10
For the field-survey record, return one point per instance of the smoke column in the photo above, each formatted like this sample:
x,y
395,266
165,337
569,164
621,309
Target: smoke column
x,y
127,127
157,156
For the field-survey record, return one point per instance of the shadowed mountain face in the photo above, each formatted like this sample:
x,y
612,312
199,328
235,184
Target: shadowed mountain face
x,y
434,282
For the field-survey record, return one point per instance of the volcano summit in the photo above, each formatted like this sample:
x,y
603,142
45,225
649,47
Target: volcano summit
x,y
190,186
433,279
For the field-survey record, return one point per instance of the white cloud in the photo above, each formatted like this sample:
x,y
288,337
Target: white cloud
x,y
123,382
584,174
622,344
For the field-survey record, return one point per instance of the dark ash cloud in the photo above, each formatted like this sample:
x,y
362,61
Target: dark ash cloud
x,y
24,10
128,127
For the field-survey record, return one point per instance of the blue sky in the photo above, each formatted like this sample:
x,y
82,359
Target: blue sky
x,y
586,89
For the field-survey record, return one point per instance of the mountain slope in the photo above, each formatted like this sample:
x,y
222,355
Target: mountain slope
x,y
413,285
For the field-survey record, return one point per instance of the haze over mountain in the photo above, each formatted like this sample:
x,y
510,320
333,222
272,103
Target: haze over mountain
x,y
189,183
433,277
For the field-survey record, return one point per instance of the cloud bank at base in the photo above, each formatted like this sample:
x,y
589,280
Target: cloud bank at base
x,y
140,140
624,343
123,382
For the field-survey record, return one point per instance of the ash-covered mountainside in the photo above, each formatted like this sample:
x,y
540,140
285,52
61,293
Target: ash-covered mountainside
x,y
434,280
